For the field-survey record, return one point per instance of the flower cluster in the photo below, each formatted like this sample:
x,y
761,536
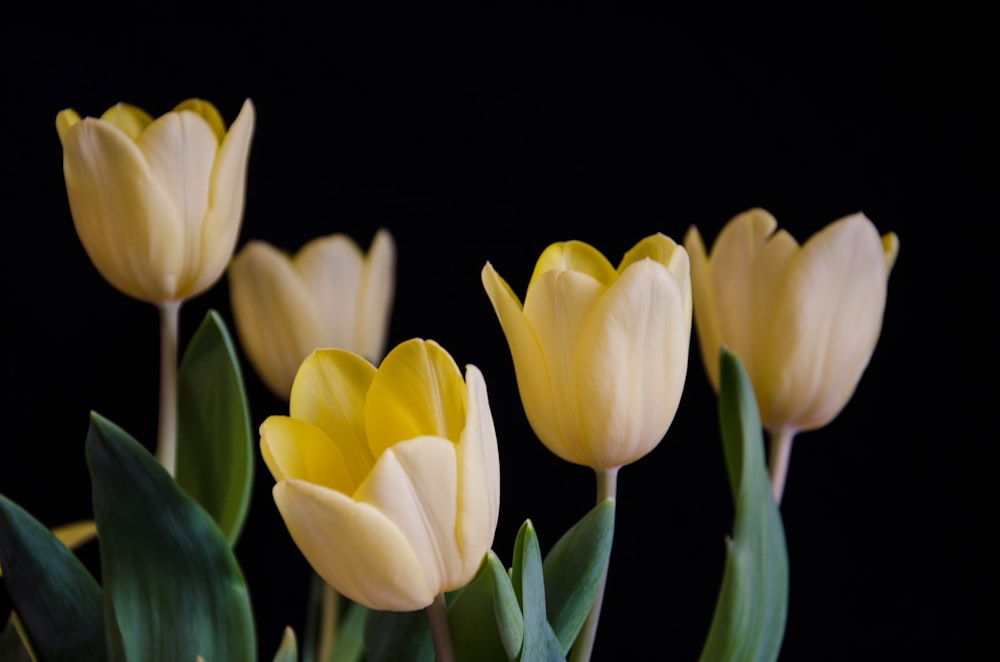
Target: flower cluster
x,y
386,466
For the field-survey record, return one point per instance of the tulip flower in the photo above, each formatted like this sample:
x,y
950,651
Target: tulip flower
x,y
329,295
388,479
157,203
804,320
600,354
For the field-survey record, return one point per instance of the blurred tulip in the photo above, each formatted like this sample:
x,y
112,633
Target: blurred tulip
x,y
804,320
388,479
600,354
329,295
157,203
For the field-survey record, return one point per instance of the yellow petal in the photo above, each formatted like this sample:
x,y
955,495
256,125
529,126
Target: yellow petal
x,y
208,112
221,225
574,256
378,287
530,366
828,324
126,222
706,315
415,484
295,449
64,120
418,391
661,248
130,120
890,243
632,363
330,269
354,547
330,391
478,478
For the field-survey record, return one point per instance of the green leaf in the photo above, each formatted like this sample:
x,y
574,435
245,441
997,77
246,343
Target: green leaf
x,y
749,620
528,580
50,588
350,645
485,619
391,636
215,449
573,569
12,646
288,651
171,582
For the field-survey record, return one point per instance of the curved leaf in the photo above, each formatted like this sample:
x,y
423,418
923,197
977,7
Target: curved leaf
x,y
485,619
398,635
171,582
215,459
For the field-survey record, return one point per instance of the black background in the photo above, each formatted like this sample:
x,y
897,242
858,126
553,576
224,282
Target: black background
x,y
489,136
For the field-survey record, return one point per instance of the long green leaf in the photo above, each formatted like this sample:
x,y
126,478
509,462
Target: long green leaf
x,y
171,583
485,619
573,570
215,451
12,647
57,600
528,579
391,636
749,620
350,646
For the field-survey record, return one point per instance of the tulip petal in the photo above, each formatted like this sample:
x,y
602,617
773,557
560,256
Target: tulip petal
x,y
275,318
330,269
227,193
131,120
208,112
295,449
354,547
706,312
378,287
574,256
632,364
418,391
661,248
330,391
126,222
828,324
64,120
478,477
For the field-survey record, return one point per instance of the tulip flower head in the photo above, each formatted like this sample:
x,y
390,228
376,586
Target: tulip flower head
x,y
329,294
388,479
600,354
157,203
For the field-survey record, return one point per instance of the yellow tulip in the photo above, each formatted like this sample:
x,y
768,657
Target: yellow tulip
x,y
804,320
600,354
157,203
388,479
329,295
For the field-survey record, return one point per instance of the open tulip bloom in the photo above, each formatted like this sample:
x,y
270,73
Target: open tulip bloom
x,y
803,319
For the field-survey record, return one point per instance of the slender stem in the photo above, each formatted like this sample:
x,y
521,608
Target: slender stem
x,y
779,453
329,615
437,615
607,486
166,448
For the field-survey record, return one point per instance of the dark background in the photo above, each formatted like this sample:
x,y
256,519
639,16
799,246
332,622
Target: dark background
x,y
489,136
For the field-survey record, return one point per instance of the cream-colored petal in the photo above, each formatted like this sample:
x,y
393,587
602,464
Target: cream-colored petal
x,y
415,485
706,315
530,365
295,449
64,120
208,112
418,390
330,391
330,268
632,363
220,227
131,120
128,226
354,547
574,256
827,326
276,320
478,478
661,248
558,308
375,298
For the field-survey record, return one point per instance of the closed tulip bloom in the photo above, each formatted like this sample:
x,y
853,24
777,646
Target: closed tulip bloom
x,y
388,479
804,320
328,295
157,203
600,354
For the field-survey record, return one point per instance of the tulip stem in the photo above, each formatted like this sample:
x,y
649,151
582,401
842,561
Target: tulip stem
x,y
607,488
779,454
437,615
166,448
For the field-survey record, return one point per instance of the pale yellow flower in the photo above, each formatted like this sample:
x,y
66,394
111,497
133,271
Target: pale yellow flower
x,y
157,203
329,295
600,354
388,479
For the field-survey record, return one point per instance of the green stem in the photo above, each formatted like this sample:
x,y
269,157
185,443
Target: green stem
x,y
437,615
607,486
166,447
779,454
